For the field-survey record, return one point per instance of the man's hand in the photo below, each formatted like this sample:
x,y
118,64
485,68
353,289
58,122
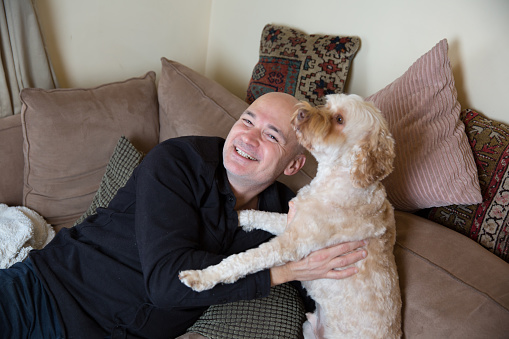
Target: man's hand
x,y
327,263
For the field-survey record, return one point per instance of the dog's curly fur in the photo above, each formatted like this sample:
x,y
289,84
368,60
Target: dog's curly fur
x,y
344,202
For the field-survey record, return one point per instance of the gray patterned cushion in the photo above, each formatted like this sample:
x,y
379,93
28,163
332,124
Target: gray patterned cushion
x,y
280,315
122,163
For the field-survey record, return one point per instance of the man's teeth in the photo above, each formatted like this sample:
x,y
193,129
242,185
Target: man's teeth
x,y
244,154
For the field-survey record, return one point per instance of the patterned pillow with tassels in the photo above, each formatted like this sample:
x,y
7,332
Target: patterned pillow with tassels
x,y
487,222
306,66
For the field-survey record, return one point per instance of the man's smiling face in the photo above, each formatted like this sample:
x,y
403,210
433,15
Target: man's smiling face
x,y
262,144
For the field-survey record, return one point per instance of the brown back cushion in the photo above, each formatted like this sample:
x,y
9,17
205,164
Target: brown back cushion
x,y
69,136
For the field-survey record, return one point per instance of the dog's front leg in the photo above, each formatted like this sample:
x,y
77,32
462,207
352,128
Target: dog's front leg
x,y
274,223
236,266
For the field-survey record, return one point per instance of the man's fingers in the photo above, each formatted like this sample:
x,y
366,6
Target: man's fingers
x,y
341,266
335,262
348,259
351,246
344,248
342,274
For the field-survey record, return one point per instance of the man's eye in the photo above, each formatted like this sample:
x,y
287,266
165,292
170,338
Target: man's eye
x,y
247,122
272,137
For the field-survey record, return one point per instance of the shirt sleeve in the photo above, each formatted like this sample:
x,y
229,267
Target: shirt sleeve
x,y
169,230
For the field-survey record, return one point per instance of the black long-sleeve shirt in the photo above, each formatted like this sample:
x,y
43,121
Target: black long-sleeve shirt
x,y
117,272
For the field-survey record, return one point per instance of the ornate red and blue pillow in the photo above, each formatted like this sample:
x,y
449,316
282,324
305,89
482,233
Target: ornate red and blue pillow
x,y
306,66
487,222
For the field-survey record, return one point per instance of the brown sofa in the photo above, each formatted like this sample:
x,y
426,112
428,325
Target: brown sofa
x,y
54,155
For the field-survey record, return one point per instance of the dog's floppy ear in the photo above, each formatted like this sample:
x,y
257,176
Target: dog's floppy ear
x,y
374,159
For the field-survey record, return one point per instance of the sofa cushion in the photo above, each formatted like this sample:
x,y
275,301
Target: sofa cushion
x,y
487,222
434,165
303,65
191,104
123,161
69,136
11,160
451,286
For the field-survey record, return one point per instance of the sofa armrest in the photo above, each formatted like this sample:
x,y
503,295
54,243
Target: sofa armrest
x,y
11,160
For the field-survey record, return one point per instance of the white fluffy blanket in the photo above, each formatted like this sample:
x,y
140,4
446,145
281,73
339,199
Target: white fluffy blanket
x,y
21,230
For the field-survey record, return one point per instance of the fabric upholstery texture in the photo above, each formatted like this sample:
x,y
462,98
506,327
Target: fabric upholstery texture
x,y
307,66
279,315
69,135
487,222
122,163
434,165
191,104
11,160
451,287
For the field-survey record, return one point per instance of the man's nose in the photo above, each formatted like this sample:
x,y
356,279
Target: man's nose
x,y
252,137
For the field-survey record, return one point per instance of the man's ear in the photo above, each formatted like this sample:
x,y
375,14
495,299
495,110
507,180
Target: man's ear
x,y
295,165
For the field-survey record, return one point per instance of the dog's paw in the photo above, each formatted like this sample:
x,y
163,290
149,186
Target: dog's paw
x,y
244,221
195,280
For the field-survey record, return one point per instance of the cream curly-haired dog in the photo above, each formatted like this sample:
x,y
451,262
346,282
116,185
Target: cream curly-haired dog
x,y
344,202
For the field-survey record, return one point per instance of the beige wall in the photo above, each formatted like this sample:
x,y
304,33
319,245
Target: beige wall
x,y
394,33
92,42
96,41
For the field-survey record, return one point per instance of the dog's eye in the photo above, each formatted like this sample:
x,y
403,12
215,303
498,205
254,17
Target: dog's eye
x,y
339,120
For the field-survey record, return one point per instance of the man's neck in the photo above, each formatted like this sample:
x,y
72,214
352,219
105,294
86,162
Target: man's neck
x,y
247,197
251,204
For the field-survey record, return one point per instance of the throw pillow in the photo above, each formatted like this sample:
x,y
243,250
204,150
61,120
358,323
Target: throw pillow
x,y
191,104
279,315
487,222
434,165
122,163
69,135
306,66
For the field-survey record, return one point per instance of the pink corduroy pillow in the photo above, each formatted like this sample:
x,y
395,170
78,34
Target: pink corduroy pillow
x,y
434,164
